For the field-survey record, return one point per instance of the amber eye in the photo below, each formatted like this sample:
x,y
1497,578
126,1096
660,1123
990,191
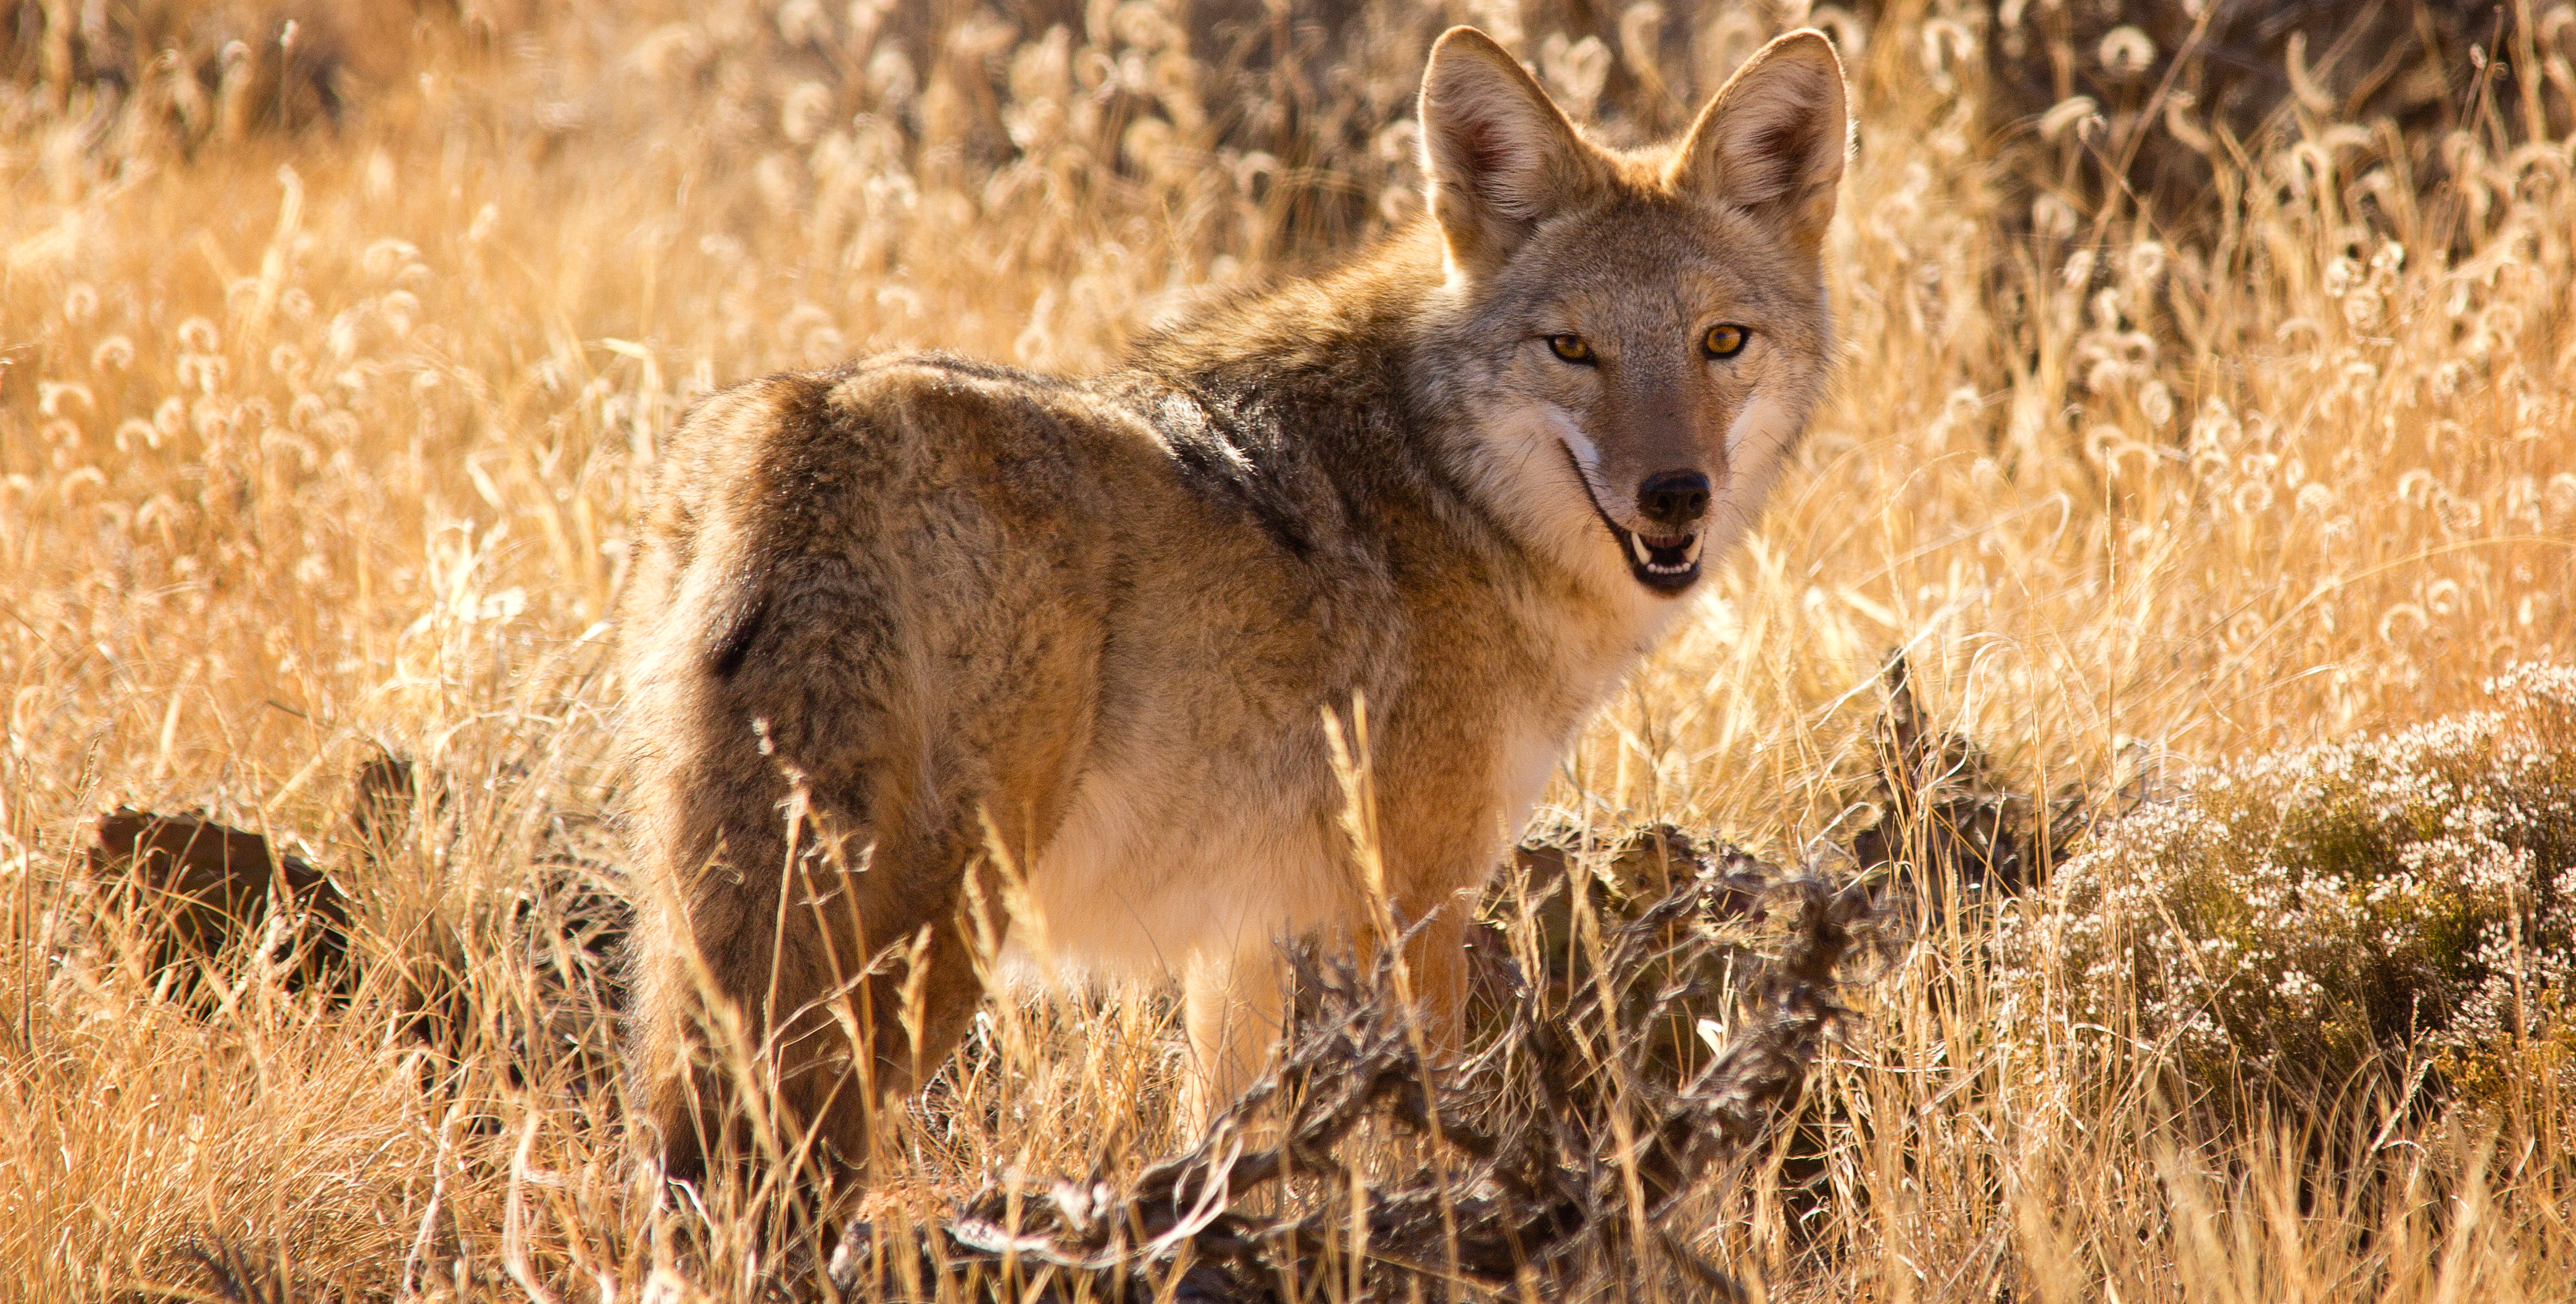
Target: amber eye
x,y
1723,341
1571,348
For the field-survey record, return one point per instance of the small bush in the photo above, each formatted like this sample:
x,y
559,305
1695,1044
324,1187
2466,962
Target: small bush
x,y
2291,918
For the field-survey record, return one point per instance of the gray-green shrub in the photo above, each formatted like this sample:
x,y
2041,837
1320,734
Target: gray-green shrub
x,y
2294,917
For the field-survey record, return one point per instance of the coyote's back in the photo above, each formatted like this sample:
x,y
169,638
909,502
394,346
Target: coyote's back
x,y
924,654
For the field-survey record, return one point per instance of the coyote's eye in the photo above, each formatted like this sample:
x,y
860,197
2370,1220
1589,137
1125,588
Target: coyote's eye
x,y
1723,341
1571,348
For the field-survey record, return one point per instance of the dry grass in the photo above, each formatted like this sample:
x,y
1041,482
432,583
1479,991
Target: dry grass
x,y
324,436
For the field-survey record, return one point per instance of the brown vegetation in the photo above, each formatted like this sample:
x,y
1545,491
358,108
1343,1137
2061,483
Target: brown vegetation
x,y
319,432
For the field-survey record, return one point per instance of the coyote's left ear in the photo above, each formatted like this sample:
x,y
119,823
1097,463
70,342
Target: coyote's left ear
x,y
1772,140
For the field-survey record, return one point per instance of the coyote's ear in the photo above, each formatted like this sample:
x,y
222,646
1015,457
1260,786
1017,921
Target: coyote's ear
x,y
1498,153
1772,140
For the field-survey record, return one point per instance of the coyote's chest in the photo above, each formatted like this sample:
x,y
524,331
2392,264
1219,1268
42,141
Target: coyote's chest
x,y
1158,861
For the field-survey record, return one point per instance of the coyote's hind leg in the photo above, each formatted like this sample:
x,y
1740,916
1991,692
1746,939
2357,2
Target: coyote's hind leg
x,y
820,976
798,953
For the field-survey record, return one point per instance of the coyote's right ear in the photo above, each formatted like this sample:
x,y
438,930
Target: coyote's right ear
x,y
1498,152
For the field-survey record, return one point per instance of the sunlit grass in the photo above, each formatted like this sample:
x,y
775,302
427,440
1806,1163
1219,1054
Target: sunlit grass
x,y
321,440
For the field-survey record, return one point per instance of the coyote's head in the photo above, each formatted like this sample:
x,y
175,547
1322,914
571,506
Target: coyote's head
x,y
1637,336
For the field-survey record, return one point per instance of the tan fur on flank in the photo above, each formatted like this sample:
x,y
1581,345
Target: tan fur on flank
x,y
891,613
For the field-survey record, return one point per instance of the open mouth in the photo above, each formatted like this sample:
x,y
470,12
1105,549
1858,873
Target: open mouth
x,y
1666,563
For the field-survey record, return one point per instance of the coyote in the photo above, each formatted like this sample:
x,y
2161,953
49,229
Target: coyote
x,y
919,638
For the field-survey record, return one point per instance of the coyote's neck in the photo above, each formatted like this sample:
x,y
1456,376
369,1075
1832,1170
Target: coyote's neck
x,y
1312,382
1306,333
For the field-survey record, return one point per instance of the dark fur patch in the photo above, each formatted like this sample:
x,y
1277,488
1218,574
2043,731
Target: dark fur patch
x,y
733,643
1228,442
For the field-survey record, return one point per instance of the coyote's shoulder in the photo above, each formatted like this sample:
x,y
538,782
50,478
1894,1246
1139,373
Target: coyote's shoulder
x,y
909,627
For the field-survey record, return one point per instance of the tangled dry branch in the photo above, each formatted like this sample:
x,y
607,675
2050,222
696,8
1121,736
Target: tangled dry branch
x,y
1566,1136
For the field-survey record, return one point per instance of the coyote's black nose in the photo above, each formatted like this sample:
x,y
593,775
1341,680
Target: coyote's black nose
x,y
1673,497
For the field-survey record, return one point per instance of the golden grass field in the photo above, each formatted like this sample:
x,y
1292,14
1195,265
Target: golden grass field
x,y
325,396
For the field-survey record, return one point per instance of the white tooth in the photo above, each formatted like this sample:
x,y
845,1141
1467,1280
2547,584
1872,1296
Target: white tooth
x,y
1637,544
1697,542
